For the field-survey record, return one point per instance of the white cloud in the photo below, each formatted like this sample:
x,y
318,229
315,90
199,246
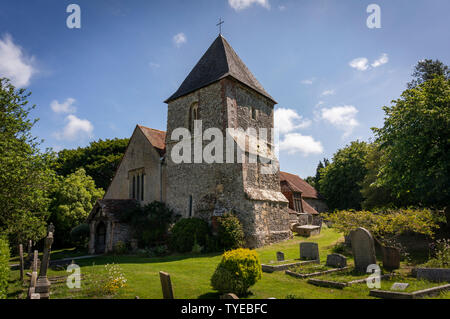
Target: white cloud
x,y
328,92
361,64
298,143
382,60
288,120
154,65
308,81
179,39
75,128
14,64
342,117
64,107
239,5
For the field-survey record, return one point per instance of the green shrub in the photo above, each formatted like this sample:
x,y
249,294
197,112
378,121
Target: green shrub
x,y
441,259
185,231
151,223
120,248
230,232
80,235
4,267
238,270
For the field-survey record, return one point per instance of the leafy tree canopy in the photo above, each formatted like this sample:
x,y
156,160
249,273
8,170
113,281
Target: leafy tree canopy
x,y
100,160
427,70
74,197
25,177
415,144
341,179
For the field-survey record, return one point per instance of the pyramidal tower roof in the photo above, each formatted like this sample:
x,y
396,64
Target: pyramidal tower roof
x,y
218,62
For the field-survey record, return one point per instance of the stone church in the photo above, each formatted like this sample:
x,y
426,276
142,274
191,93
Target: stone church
x,y
222,93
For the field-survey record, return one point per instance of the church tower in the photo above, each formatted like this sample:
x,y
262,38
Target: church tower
x,y
222,93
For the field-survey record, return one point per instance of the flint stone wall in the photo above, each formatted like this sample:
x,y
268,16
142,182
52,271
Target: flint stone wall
x,y
224,187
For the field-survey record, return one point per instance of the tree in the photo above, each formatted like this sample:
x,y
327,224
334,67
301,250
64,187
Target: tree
x,y
415,144
427,70
314,181
375,195
25,177
100,160
72,202
341,179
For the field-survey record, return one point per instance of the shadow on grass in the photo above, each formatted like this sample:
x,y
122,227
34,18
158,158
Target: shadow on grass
x,y
133,259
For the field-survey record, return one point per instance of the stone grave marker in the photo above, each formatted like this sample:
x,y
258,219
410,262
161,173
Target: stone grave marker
x,y
336,260
391,258
33,274
280,256
309,251
42,283
363,248
21,265
399,286
166,285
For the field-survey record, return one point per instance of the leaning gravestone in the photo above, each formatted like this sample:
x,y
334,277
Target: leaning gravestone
x,y
309,251
166,285
280,256
336,260
363,248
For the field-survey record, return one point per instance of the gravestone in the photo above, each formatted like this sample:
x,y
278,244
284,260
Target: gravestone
x,y
336,260
391,258
29,259
34,266
42,283
21,265
166,285
309,251
399,286
280,256
363,249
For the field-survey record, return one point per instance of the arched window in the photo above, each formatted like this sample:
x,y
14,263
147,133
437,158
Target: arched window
x,y
193,116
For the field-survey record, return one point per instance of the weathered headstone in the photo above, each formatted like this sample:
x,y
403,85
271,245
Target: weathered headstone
x,y
391,258
336,260
21,265
363,249
280,256
42,283
309,251
229,296
29,259
33,279
399,286
166,285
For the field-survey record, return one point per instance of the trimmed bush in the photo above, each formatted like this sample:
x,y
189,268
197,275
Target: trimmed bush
x,y
186,231
238,270
80,235
230,232
4,267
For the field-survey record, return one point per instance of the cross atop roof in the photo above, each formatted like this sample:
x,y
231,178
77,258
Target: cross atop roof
x,y
220,25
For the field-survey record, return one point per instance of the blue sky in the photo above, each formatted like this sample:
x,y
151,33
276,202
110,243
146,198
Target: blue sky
x,y
328,71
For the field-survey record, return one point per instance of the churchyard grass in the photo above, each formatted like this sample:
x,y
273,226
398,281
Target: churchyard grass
x,y
191,273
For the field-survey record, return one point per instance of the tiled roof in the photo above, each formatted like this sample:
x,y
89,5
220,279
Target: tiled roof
x,y
112,207
308,208
299,185
155,137
219,61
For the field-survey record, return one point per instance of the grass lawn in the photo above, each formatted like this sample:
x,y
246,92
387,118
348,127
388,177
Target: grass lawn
x,y
191,275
